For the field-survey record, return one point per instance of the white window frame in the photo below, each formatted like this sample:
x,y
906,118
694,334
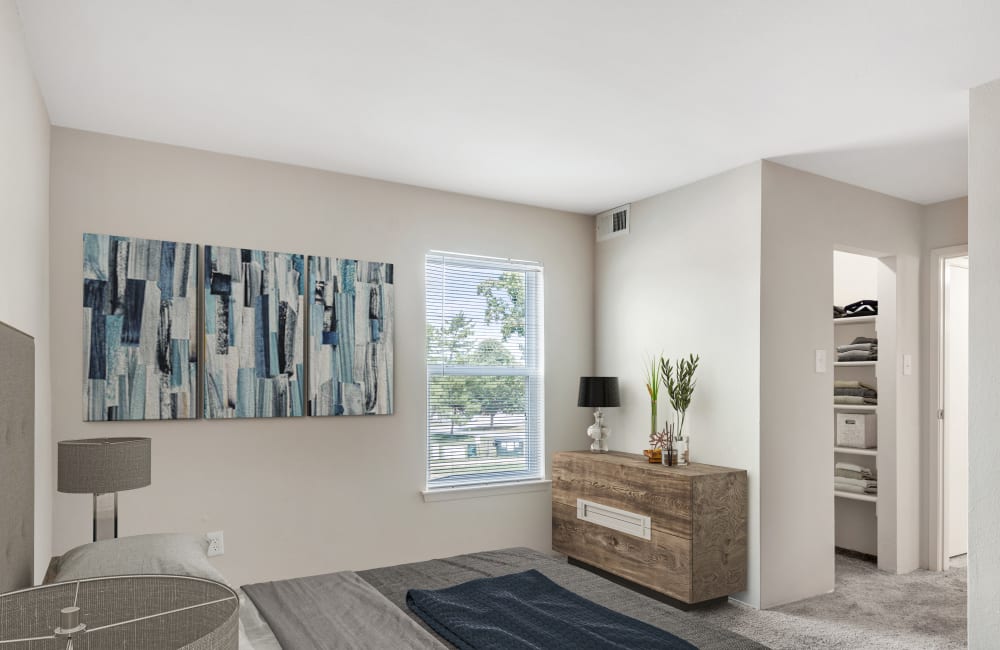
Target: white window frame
x,y
534,370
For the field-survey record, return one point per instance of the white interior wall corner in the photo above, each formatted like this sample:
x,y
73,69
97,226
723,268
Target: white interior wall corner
x,y
24,229
984,362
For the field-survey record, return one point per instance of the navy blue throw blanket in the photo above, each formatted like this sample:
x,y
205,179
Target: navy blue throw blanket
x,y
527,610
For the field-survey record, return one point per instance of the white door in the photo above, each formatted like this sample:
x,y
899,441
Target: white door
x,y
956,405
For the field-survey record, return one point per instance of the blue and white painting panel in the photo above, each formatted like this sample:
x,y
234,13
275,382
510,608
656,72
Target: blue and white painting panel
x,y
254,335
350,337
140,353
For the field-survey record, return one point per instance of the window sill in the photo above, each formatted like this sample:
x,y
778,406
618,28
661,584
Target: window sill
x,y
475,491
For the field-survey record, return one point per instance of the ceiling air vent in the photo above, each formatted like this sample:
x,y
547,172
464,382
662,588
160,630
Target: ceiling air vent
x,y
613,223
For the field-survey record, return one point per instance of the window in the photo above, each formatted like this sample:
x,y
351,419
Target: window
x,y
485,411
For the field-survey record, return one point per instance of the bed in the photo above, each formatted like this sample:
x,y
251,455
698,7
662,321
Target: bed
x,y
368,609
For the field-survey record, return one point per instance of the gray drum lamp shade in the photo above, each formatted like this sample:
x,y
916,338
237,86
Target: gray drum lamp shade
x,y
151,612
598,392
103,465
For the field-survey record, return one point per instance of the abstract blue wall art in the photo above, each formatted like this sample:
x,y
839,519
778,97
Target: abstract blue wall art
x,y
350,337
254,333
140,352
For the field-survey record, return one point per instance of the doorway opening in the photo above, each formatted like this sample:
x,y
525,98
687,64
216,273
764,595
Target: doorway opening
x,y
950,417
864,398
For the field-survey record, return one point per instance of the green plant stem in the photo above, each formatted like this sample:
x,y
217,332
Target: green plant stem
x,y
652,423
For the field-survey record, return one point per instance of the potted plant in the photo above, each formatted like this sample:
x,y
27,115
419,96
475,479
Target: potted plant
x,y
656,439
678,377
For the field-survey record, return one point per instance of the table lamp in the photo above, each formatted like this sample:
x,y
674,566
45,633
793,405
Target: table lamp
x,y
147,612
102,466
598,392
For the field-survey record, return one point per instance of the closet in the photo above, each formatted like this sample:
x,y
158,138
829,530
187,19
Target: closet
x,y
863,408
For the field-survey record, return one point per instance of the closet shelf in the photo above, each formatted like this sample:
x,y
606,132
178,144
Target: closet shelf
x,y
857,497
867,408
856,364
855,451
854,321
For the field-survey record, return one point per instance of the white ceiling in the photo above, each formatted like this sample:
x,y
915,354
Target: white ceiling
x,y
573,104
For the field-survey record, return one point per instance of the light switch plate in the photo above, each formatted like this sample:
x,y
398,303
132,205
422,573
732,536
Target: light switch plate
x,y
820,360
907,364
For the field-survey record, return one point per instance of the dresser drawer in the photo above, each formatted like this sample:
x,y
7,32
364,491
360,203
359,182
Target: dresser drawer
x,y
662,563
666,500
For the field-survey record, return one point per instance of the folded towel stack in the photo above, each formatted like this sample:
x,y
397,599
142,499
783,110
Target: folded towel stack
x,y
848,477
854,392
855,309
862,348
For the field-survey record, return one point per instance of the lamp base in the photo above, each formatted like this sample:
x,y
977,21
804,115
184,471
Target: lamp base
x,y
599,434
101,523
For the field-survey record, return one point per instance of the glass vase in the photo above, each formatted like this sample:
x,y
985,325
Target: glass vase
x,y
669,457
683,450
682,439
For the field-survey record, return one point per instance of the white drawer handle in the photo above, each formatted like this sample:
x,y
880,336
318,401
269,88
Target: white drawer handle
x,y
614,518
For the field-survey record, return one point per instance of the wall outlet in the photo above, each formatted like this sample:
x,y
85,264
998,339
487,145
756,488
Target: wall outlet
x,y
216,545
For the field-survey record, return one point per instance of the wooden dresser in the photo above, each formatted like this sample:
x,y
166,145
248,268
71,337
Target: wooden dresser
x,y
679,531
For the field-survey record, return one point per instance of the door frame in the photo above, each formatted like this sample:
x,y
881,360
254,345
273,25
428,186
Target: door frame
x,y
938,560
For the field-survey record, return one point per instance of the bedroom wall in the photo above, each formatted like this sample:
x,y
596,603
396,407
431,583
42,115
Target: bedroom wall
x,y
24,229
805,217
309,495
855,277
944,224
984,355
687,279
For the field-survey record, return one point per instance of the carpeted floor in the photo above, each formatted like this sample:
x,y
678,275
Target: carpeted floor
x,y
868,609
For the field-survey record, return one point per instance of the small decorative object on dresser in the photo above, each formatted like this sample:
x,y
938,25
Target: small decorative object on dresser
x,y
660,450
678,531
598,392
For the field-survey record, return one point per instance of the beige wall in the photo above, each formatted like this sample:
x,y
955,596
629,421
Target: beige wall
x,y
984,355
855,277
687,279
309,495
805,218
24,232
945,224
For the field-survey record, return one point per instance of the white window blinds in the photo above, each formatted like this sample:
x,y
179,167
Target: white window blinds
x,y
485,371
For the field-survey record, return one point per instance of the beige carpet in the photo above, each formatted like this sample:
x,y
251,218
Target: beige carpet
x,y
868,609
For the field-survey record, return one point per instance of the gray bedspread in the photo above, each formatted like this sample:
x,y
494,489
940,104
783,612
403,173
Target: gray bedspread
x,y
393,582
336,610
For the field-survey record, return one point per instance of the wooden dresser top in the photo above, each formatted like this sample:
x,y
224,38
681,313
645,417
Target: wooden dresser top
x,y
640,461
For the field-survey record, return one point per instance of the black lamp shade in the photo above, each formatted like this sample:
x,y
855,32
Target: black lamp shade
x,y
598,391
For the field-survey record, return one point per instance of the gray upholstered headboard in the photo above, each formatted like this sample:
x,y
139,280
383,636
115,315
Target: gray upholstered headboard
x,y
17,458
